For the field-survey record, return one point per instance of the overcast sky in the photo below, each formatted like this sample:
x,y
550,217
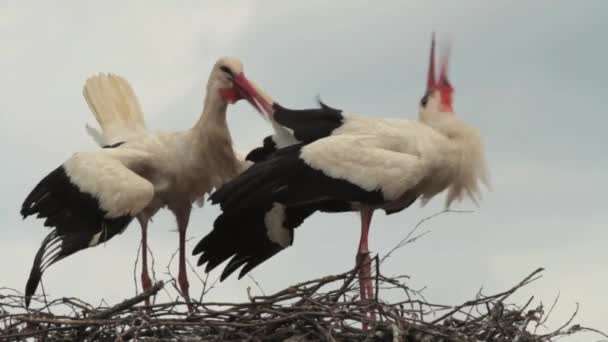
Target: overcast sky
x,y
530,75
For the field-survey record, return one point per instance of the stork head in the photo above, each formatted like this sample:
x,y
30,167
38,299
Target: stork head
x,y
436,110
228,78
438,98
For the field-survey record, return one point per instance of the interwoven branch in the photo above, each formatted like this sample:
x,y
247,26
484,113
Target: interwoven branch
x,y
324,309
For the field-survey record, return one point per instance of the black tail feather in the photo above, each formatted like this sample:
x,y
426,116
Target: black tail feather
x,y
234,264
50,251
240,232
42,260
243,237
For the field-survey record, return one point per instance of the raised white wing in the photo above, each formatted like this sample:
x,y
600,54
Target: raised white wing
x,y
115,107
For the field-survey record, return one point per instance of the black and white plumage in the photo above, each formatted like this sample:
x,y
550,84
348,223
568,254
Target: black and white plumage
x,y
337,173
363,164
304,126
78,199
265,204
294,126
93,196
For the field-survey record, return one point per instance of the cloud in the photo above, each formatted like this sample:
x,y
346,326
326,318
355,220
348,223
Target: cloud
x,y
528,74
162,49
574,270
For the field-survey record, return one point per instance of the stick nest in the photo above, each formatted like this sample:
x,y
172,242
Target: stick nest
x,y
324,309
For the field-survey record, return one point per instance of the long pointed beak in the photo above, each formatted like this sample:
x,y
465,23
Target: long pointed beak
x,y
431,82
253,94
443,83
264,99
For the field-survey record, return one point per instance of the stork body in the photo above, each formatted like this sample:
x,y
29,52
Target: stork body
x,y
360,164
388,166
94,196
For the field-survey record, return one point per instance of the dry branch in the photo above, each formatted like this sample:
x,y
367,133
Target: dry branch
x,y
324,309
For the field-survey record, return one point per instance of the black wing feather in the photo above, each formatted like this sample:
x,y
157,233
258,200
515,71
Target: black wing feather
x,y
240,232
262,153
75,217
307,125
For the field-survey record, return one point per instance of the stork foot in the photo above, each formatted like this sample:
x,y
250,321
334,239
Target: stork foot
x,y
146,283
184,288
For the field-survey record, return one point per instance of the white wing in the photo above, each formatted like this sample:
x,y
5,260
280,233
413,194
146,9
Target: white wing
x,y
371,162
96,135
106,175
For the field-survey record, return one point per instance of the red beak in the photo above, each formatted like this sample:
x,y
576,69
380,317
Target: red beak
x,y
441,84
246,90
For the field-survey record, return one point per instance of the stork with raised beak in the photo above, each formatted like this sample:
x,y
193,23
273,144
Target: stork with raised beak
x,y
336,162
94,195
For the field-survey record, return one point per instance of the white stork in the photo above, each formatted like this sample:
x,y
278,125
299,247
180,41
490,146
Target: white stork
x,y
93,196
348,162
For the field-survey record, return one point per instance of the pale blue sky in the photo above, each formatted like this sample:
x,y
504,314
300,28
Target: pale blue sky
x,y
530,74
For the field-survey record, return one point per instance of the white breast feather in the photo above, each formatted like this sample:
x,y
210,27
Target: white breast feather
x,y
472,170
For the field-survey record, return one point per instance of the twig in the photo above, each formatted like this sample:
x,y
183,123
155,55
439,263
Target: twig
x,y
483,300
256,284
128,303
408,237
326,308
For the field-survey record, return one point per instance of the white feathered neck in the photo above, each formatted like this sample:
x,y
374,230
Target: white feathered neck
x,y
469,161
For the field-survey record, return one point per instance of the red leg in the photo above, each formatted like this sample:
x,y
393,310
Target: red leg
x,y
146,282
182,276
364,261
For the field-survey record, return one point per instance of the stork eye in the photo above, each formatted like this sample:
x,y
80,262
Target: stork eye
x,y
424,100
226,70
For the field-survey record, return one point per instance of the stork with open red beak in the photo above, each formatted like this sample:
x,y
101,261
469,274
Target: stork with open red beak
x,y
94,195
358,164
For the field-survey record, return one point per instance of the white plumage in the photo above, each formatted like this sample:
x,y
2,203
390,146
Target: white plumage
x,y
108,175
326,160
275,222
115,107
94,195
395,155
